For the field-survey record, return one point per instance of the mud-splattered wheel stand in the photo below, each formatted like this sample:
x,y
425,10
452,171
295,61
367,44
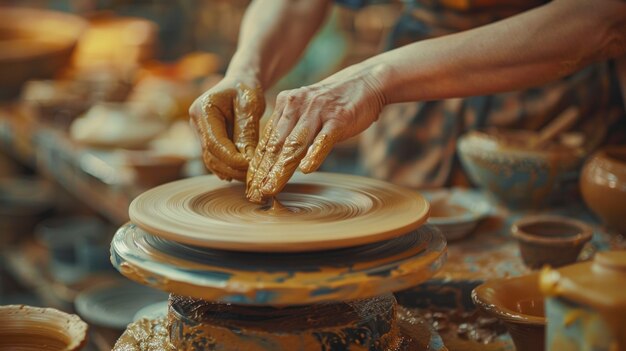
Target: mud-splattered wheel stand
x,y
334,299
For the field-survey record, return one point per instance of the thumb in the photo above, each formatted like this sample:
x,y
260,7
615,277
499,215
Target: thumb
x,y
249,108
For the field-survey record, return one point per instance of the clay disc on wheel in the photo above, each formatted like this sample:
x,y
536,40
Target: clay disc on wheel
x,y
321,211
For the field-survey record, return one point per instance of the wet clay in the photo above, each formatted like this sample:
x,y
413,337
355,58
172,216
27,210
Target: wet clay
x,y
603,186
414,334
280,278
232,112
28,328
145,335
325,211
599,285
276,160
357,325
278,209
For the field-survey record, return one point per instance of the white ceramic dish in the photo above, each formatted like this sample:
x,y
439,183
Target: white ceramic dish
x,y
457,211
114,305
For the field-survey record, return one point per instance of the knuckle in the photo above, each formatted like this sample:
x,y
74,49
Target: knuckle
x,y
316,99
336,125
287,117
283,95
341,111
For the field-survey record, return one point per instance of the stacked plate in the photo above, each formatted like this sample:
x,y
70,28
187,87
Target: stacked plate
x,y
457,211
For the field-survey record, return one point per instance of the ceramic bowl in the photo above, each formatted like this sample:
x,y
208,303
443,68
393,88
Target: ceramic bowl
x,y
456,212
57,101
76,246
23,203
603,186
113,305
34,44
519,304
550,240
28,328
500,162
151,169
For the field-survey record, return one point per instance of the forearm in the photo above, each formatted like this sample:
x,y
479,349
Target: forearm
x,y
527,50
274,33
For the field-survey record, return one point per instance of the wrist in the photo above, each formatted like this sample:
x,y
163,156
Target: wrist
x,y
243,67
375,75
378,77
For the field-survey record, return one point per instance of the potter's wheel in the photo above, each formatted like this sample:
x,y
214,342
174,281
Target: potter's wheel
x,y
329,259
321,211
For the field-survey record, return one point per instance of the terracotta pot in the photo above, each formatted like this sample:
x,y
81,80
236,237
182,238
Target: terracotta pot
x,y
151,169
519,304
31,328
603,186
550,240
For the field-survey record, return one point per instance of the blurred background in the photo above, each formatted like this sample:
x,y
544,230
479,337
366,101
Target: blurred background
x,y
93,111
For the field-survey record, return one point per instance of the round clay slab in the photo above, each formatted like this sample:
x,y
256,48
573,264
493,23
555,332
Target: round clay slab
x,y
278,278
321,211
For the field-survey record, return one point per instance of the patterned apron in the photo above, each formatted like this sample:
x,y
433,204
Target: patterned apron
x,y
413,144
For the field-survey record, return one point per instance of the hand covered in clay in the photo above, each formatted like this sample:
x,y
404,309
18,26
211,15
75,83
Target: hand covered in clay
x,y
306,124
226,118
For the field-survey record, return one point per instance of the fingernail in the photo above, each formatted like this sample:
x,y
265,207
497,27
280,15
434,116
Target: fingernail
x,y
255,196
304,164
249,153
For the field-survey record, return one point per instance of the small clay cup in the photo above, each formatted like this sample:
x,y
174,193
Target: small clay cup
x,y
519,304
603,186
550,240
31,328
152,169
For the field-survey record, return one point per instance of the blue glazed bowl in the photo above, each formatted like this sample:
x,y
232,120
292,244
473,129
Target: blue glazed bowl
x,y
502,163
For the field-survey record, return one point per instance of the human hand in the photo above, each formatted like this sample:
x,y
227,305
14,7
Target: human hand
x,y
227,119
306,124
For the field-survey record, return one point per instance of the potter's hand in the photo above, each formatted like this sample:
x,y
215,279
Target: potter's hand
x,y
233,107
306,124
